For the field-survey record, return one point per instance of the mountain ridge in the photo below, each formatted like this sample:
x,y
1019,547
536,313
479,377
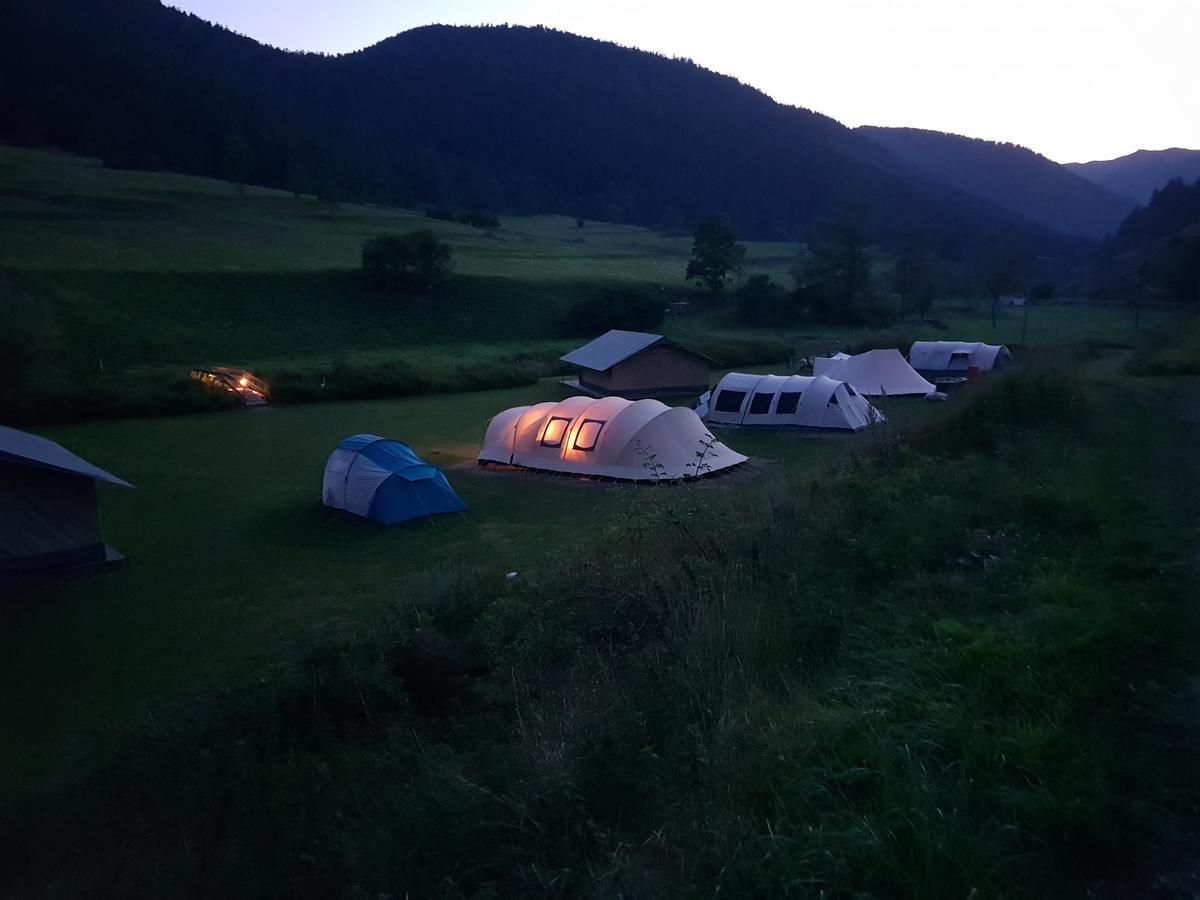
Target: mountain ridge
x,y
1137,175
1011,176
523,119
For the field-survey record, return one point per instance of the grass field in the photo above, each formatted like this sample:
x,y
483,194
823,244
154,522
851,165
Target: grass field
x,y
897,663
132,279
233,500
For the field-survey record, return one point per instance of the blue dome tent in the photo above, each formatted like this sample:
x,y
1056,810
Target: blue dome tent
x,y
386,481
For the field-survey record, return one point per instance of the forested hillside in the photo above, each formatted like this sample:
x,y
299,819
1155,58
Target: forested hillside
x,y
1139,174
513,119
1163,239
1010,176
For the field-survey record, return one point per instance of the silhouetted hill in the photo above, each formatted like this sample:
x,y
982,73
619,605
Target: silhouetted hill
x,y
1010,176
1140,173
521,119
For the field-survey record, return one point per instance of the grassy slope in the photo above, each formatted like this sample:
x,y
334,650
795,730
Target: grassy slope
x,y
159,272
931,697
235,568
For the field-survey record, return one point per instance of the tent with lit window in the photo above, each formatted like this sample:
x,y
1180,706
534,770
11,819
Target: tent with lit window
x,y
957,357
386,481
634,440
876,373
782,401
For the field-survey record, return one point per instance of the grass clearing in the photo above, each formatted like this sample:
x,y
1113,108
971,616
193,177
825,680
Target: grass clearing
x,y
929,697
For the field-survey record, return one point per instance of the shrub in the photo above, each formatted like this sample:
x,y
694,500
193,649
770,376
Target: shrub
x,y
761,301
417,259
627,308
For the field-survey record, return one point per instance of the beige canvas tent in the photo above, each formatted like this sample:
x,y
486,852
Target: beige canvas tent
x,y
957,357
781,401
49,509
635,440
876,373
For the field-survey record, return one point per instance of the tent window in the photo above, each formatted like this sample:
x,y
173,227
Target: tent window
x,y
588,434
761,404
833,400
788,401
556,430
849,389
960,360
730,401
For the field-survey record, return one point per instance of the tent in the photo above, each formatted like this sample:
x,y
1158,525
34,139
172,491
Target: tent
x,y
875,373
635,440
957,357
386,481
780,401
49,510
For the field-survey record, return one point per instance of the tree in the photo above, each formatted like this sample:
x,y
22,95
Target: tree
x,y
913,276
835,274
760,301
1001,276
715,253
627,308
236,161
406,260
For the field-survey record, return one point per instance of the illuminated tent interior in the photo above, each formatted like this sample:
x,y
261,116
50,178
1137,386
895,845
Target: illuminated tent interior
x,y
876,373
634,440
49,509
957,357
782,401
385,481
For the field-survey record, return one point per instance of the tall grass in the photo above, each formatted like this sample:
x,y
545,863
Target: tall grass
x,y
904,680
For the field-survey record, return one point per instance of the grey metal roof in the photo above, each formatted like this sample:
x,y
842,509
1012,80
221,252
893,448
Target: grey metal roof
x,y
29,449
617,346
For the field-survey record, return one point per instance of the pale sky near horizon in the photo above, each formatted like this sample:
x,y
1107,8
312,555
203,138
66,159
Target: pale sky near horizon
x,y
1075,80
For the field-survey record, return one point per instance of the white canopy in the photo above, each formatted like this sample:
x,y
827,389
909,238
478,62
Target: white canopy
x,y
874,373
957,356
637,440
796,400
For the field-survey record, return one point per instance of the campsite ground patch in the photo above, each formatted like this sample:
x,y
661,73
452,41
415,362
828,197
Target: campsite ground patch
x,y
233,500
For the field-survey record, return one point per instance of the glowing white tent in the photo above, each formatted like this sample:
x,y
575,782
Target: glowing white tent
x,y
789,400
636,440
957,357
876,373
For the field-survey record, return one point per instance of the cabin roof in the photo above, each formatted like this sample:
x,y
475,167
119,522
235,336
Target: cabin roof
x,y
617,346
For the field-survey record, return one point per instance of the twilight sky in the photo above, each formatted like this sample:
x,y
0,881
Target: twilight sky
x,y
1073,79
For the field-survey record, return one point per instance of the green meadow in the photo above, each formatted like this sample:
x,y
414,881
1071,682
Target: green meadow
x,y
942,658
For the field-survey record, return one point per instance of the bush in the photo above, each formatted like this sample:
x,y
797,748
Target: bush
x,y
626,308
417,259
761,301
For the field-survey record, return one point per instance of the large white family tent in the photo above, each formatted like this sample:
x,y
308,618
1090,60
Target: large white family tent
x,y
957,357
779,401
634,440
876,373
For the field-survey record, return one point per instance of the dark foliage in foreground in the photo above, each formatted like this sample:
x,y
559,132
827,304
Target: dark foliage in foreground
x,y
691,706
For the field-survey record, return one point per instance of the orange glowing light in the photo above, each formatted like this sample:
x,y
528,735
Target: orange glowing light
x,y
242,381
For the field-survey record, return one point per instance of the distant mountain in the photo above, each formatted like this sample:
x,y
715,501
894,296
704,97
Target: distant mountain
x,y
1009,176
519,119
1138,174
